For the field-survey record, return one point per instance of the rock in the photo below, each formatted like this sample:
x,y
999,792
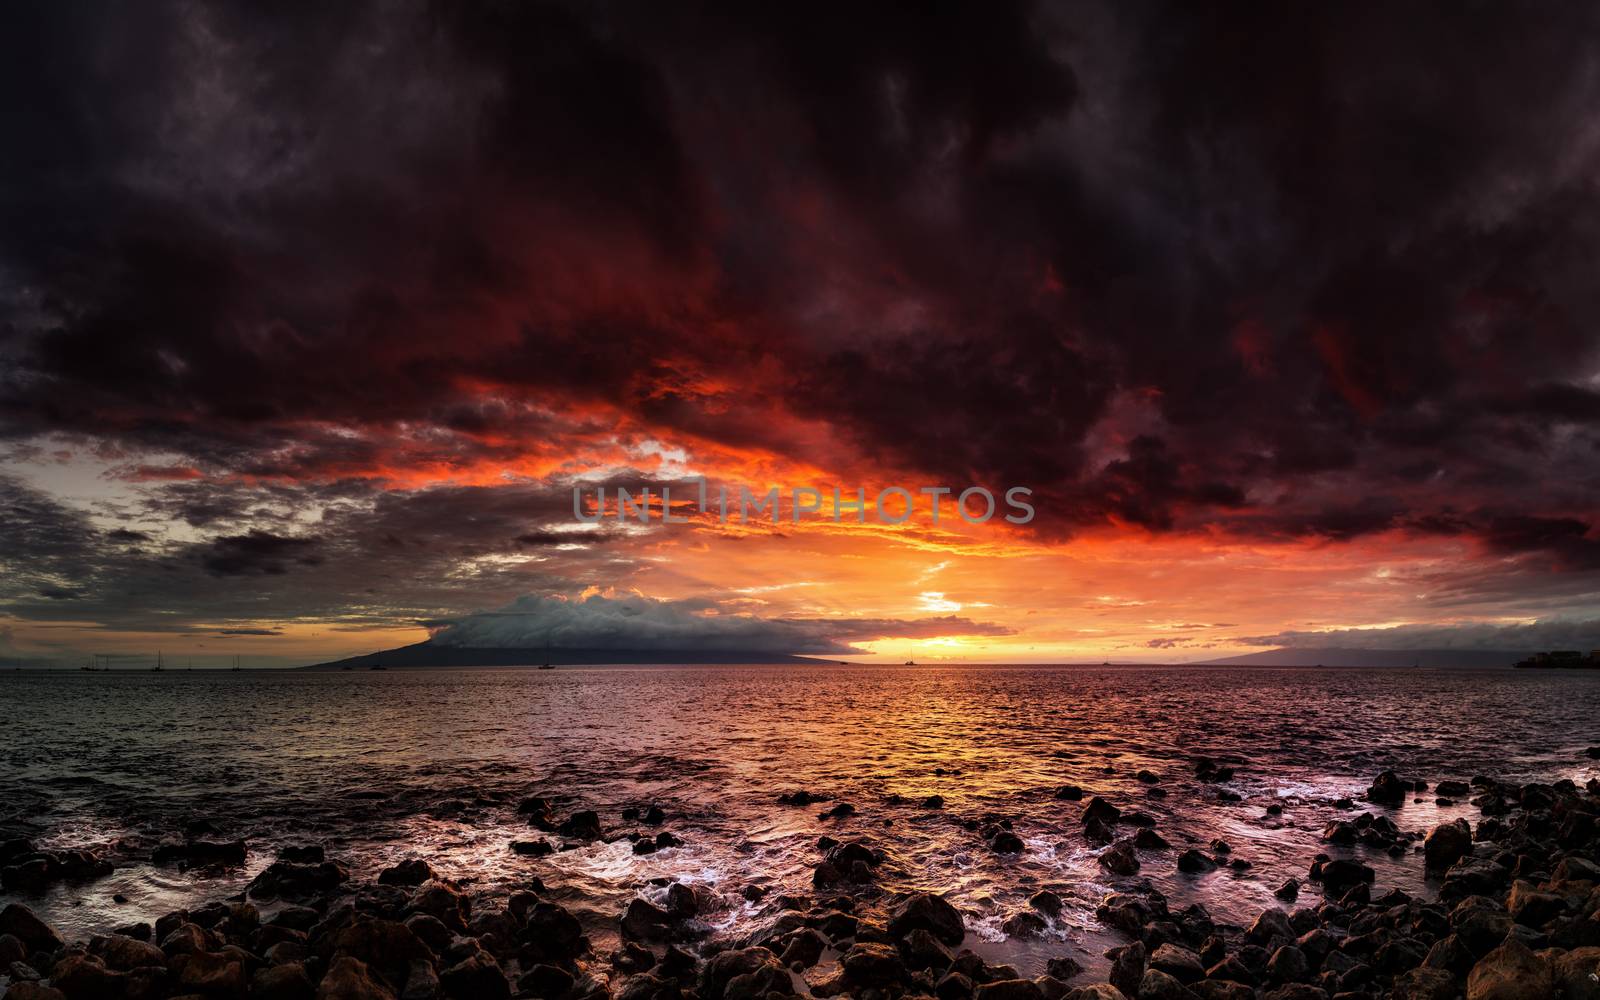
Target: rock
x,y
441,902
1069,793
1447,844
933,802
805,947
1128,965
1063,968
1511,972
83,977
1157,985
386,947
1149,840
1388,789
1097,831
477,977
410,872
1269,926
287,880
124,953
1006,842
1340,875
1473,877
1532,907
1194,863
742,973
1095,991
644,921
1178,962
1023,925
348,979
282,982
1289,891
1120,859
1577,973
25,925
932,914
33,991
204,972
552,934
1101,810
1288,965
1009,989
536,848
545,981
584,825
1425,984
1046,902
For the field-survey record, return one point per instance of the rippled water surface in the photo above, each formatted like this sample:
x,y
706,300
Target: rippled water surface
x,y
379,766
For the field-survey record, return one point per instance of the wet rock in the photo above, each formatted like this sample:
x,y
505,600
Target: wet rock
x,y
1194,863
86,977
1532,907
1577,973
1271,925
1338,876
933,802
282,982
205,972
1064,968
1388,789
1288,965
1005,842
1178,962
23,924
33,991
1474,877
1511,972
805,947
477,977
1289,891
744,974
410,872
533,848
1149,840
1425,984
1128,965
1157,985
1120,859
1046,902
124,953
1447,844
930,913
582,825
799,798
348,979
1023,925
1453,788
386,947
869,964
552,934
843,810
1097,831
644,921
1096,991
1069,793
545,981
1009,989
1098,808
1147,777
288,880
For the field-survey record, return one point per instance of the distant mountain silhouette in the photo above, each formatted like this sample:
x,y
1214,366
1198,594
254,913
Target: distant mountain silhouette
x,y
426,654
1374,658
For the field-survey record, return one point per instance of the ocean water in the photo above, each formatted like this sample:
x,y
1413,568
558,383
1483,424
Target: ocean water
x,y
379,766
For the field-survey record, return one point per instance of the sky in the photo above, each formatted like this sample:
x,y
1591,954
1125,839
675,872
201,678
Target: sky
x,y
313,316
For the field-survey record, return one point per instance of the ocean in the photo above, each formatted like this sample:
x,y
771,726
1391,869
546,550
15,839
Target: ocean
x,y
381,766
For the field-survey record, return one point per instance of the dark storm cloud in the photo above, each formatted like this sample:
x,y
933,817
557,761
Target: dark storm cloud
x,y
1287,271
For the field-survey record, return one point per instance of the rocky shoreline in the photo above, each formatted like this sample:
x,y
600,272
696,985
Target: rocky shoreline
x,y
1517,918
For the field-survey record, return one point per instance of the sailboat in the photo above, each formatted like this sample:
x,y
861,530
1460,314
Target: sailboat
x,y
235,664
159,663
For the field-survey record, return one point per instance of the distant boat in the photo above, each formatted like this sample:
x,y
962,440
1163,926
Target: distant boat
x,y
909,663
158,667
235,664
377,666
546,666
